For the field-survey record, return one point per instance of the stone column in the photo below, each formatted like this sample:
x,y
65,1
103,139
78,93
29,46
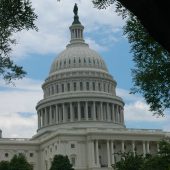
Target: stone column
x,y
50,115
38,113
144,149
108,154
113,113
97,153
56,114
158,147
101,110
133,147
108,113
71,112
79,112
94,111
118,114
92,152
112,153
86,110
123,146
148,150
46,117
64,114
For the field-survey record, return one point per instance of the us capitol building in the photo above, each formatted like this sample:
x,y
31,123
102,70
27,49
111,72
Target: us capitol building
x,y
80,115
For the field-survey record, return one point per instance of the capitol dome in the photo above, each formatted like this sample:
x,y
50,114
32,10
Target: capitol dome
x,y
79,92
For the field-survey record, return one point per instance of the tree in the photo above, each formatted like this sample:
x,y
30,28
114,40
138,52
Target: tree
x,y
19,162
129,161
151,75
159,161
4,165
61,162
15,16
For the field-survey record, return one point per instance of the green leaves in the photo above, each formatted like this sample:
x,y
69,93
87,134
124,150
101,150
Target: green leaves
x,y
61,162
15,15
18,162
151,75
159,161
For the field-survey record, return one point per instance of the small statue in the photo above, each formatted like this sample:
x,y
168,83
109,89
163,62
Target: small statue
x,y
75,10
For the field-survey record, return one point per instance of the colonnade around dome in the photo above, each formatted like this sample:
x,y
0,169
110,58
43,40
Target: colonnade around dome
x,y
80,111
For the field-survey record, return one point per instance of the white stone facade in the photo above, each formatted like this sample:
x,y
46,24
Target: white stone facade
x,y
80,115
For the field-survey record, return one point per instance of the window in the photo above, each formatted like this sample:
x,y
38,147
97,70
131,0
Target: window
x,y
104,87
74,60
68,87
52,90
57,88
89,60
81,86
55,147
72,145
87,85
6,155
73,161
31,155
84,60
69,61
82,112
89,112
62,87
68,111
79,60
99,87
75,86
94,86
75,113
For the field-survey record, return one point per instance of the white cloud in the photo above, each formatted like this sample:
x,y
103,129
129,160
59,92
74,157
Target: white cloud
x,y
14,102
136,110
54,19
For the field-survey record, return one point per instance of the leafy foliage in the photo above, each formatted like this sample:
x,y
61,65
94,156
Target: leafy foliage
x,y
18,162
151,75
4,165
61,162
15,15
129,161
160,161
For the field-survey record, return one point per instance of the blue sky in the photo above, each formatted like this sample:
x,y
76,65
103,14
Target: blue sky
x,y
35,51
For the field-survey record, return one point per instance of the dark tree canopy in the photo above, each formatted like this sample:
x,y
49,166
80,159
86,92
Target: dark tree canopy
x,y
159,161
18,162
15,15
61,162
4,165
151,75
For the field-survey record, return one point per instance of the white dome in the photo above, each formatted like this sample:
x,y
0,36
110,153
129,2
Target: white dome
x,y
77,56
